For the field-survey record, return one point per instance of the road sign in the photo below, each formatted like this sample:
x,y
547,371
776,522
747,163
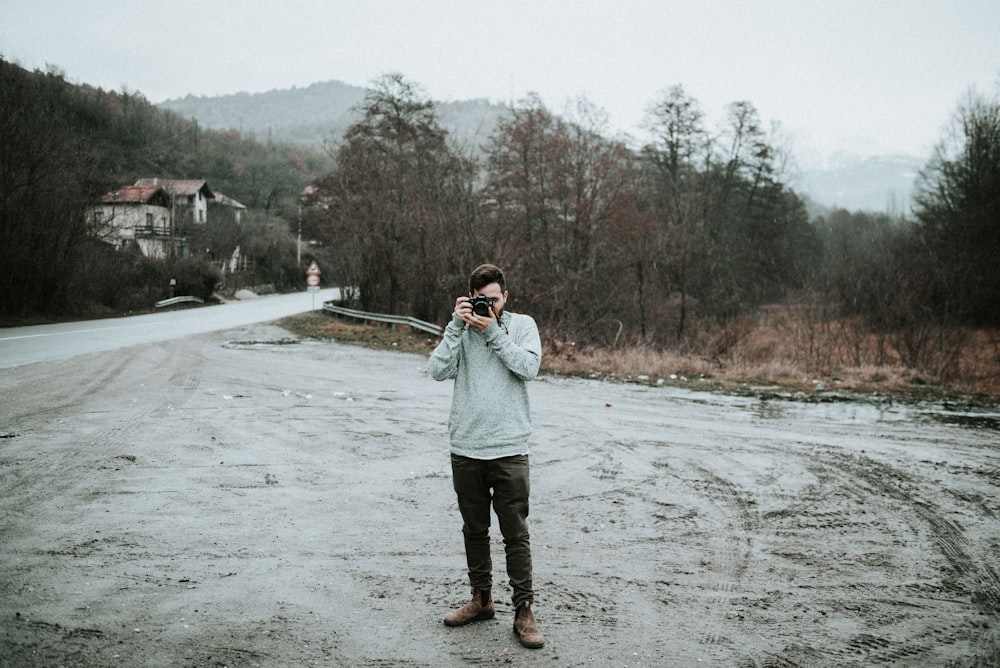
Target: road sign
x,y
313,269
312,280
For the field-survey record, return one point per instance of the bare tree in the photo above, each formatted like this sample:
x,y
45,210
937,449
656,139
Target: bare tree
x,y
677,158
556,192
395,202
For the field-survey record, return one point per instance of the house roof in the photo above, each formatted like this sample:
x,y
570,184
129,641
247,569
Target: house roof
x,y
179,186
227,201
132,194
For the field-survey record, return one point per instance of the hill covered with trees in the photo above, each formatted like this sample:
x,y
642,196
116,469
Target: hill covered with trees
x,y
320,114
63,146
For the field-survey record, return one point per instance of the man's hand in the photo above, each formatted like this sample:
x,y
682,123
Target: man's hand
x,y
463,309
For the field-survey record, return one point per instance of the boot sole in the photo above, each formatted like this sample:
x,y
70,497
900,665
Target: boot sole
x,y
478,618
529,645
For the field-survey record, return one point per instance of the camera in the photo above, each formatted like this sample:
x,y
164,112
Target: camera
x,y
482,305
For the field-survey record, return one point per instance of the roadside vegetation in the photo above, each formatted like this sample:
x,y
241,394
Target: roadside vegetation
x,y
763,366
688,256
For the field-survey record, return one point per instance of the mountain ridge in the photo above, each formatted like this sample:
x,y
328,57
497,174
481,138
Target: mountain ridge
x,y
878,183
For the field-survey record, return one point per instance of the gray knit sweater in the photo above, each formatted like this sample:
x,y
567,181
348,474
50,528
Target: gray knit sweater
x,y
490,412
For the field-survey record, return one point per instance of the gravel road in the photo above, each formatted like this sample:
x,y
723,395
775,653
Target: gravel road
x,y
246,498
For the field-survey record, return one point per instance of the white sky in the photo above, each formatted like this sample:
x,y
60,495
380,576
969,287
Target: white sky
x,y
866,76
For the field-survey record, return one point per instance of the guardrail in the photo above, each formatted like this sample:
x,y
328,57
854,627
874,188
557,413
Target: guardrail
x,y
178,300
384,317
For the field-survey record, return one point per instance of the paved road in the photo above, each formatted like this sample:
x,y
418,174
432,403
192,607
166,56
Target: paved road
x,y
46,343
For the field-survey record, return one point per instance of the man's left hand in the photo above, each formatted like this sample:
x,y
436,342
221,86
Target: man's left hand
x,y
479,322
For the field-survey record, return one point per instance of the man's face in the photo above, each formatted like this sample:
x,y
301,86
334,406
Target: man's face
x,y
494,292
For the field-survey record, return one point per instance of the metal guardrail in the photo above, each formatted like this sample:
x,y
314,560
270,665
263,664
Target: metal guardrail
x,y
384,317
178,300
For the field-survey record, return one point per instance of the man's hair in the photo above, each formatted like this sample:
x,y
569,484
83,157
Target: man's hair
x,y
485,274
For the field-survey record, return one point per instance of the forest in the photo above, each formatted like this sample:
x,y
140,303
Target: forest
x,y
689,247
690,244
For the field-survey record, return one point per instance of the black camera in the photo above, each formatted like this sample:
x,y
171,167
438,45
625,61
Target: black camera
x,y
482,305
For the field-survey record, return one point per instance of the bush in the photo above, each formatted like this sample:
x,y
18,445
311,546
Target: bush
x,y
195,277
107,281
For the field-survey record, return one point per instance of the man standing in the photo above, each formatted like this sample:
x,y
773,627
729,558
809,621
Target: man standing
x,y
491,354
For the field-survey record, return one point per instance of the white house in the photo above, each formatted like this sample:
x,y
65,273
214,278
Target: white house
x,y
190,200
137,215
155,214
163,217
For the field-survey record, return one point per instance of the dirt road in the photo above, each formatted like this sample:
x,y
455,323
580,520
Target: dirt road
x,y
247,499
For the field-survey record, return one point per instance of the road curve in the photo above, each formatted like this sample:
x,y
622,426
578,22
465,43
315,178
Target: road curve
x,y
46,343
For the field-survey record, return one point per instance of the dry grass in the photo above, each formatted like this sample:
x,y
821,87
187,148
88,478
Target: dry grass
x,y
740,371
322,325
770,353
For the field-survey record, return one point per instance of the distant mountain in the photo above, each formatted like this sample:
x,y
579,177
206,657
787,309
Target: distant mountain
x,y
878,184
298,115
321,113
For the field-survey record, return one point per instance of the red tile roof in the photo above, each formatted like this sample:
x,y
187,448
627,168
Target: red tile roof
x,y
178,186
137,194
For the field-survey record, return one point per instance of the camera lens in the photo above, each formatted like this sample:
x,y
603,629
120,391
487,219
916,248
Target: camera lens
x,y
481,305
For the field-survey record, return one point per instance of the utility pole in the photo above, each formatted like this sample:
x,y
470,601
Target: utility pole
x,y
298,256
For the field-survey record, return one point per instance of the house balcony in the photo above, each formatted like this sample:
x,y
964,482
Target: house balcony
x,y
151,231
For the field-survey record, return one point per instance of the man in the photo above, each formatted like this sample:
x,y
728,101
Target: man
x,y
491,354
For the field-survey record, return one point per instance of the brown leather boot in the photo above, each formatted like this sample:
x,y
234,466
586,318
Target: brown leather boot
x,y
480,607
526,628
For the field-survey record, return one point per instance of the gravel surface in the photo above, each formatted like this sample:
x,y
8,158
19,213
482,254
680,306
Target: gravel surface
x,y
250,498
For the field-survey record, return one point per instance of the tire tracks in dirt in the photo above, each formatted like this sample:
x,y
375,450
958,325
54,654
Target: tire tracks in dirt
x,y
667,528
40,479
664,503
900,615
660,493
27,459
977,578
78,395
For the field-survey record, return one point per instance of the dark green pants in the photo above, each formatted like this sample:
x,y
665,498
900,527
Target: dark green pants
x,y
503,483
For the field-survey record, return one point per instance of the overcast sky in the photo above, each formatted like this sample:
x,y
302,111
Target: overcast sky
x,y
867,76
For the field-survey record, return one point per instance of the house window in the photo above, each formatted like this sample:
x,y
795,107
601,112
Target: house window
x,y
149,220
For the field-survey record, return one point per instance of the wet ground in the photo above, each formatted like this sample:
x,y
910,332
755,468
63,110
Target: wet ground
x,y
246,498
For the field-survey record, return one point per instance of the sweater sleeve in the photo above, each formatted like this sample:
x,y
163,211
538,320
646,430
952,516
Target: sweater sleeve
x,y
521,349
443,362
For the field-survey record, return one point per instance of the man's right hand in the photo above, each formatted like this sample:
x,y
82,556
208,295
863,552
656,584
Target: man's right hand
x,y
463,309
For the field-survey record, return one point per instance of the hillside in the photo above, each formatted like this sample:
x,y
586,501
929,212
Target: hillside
x,y
65,145
320,113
